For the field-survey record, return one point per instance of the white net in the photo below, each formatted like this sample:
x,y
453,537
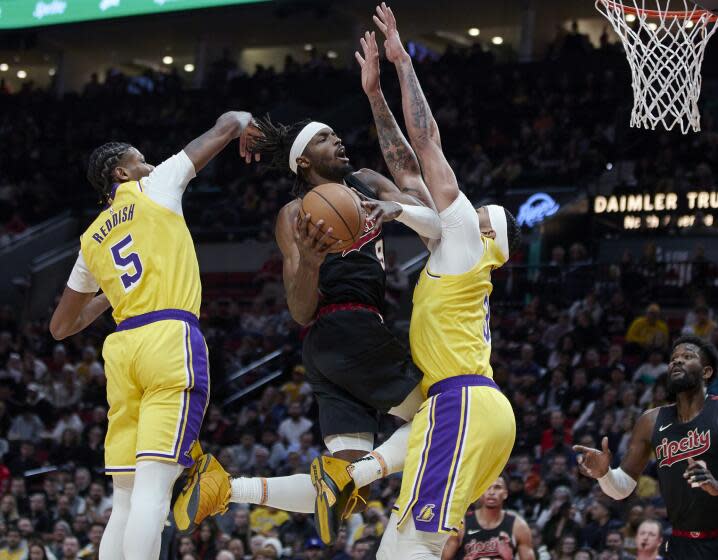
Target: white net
x,y
665,41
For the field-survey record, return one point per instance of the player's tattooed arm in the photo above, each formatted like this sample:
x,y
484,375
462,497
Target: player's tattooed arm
x,y
398,155
304,249
420,123
205,147
75,312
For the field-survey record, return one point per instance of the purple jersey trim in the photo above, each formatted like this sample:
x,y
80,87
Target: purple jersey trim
x,y
460,381
161,315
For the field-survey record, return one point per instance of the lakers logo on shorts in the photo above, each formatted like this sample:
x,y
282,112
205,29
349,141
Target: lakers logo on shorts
x,y
427,513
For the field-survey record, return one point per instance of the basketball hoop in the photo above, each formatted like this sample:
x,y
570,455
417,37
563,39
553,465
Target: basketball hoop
x,y
665,50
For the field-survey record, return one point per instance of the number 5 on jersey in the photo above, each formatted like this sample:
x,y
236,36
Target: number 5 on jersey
x,y
126,263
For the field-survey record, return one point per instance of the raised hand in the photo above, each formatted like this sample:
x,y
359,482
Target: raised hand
x,y
386,22
369,64
698,476
592,462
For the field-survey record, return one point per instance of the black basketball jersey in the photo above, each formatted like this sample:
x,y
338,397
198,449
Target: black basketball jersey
x,y
484,543
357,274
689,509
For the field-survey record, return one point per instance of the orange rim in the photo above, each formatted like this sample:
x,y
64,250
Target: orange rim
x,y
695,15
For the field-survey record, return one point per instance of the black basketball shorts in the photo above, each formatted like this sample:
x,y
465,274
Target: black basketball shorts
x,y
357,369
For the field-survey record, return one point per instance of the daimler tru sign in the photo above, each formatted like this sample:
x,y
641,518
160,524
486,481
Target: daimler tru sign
x,y
654,210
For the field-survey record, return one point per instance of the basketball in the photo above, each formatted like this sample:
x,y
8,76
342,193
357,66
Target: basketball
x,y
341,210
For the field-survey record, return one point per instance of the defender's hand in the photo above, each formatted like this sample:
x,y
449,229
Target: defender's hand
x,y
369,64
592,462
698,476
381,211
386,22
248,138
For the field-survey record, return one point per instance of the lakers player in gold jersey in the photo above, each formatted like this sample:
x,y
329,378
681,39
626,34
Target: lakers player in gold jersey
x,y
139,252
463,434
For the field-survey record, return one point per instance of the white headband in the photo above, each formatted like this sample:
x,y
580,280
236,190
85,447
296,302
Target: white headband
x,y
499,225
301,142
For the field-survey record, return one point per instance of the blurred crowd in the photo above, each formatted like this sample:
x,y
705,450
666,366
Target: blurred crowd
x,y
578,362
575,370
560,121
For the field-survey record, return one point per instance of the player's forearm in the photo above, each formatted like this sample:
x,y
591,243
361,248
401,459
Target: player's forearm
x,y
617,484
419,120
228,127
303,293
526,552
62,327
398,155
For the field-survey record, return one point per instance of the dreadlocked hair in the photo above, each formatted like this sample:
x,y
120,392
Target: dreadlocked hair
x,y
276,142
101,166
513,231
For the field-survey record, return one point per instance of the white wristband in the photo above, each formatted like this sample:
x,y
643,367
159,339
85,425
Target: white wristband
x,y
422,220
617,484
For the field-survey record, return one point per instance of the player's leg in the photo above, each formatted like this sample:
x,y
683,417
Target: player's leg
x,y
175,386
114,534
149,507
389,457
408,543
366,371
123,398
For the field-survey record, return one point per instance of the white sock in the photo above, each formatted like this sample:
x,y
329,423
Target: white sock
x,y
386,459
111,543
288,493
149,506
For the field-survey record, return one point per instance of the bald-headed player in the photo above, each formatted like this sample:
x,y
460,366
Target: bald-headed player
x,y
140,253
681,437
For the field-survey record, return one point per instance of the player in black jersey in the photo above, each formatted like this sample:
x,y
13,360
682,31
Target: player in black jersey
x,y
356,367
490,533
683,438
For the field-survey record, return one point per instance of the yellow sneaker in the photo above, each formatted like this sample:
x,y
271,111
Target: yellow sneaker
x,y
206,492
337,495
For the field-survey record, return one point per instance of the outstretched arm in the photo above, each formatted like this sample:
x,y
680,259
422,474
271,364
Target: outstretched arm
x,y
619,483
420,123
205,147
398,155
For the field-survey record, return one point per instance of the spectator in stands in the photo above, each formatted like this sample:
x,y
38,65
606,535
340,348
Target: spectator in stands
x,y
70,549
265,520
39,514
703,326
245,452
26,427
652,369
92,548
97,503
15,548
648,540
292,428
296,390
614,543
362,547
312,549
38,551
649,330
